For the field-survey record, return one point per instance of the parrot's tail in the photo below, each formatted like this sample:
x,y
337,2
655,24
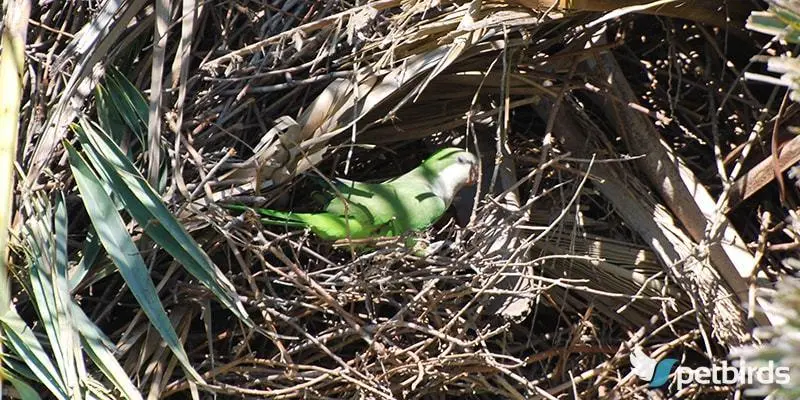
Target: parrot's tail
x,y
282,218
274,217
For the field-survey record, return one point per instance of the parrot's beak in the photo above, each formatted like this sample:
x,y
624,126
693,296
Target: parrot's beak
x,y
473,175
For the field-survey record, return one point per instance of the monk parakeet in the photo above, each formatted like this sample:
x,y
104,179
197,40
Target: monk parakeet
x,y
410,202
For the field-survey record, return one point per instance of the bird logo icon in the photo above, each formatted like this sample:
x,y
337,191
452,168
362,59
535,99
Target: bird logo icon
x,y
650,370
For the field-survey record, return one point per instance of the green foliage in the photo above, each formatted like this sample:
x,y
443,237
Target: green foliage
x,y
781,20
59,364
111,188
781,344
142,202
123,252
121,109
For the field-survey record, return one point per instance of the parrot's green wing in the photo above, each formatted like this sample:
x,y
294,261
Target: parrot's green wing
x,y
412,201
404,204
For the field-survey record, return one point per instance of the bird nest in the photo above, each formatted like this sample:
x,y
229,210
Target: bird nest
x,y
590,232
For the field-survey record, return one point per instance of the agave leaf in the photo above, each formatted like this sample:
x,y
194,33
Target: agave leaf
x,y
788,14
25,391
122,250
21,339
109,119
132,105
48,260
12,364
99,348
120,101
68,329
91,249
775,23
144,205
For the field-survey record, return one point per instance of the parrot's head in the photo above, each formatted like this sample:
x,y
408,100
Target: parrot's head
x,y
453,168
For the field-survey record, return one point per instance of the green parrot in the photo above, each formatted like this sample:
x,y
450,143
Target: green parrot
x,y
410,202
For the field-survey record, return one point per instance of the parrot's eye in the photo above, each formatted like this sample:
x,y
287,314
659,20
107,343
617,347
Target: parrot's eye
x,y
462,159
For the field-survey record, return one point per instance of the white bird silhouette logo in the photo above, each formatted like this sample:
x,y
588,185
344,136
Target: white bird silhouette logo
x,y
643,366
